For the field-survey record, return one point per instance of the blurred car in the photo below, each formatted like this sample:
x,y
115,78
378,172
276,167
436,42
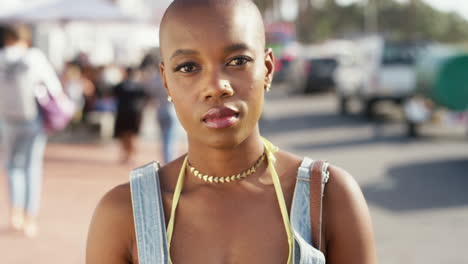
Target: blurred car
x,y
312,70
319,74
350,74
282,65
384,71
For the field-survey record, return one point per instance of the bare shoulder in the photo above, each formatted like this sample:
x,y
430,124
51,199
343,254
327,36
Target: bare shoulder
x,y
116,204
343,199
118,198
347,223
341,185
111,232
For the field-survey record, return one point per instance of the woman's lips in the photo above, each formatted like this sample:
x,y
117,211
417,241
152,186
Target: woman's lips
x,y
222,117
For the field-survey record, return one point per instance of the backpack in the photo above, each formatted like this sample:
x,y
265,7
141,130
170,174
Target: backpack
x,y
17,98
27,93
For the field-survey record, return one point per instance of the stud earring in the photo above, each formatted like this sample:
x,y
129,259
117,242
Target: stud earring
x,y
169,99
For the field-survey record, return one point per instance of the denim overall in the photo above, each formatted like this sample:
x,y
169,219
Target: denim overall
x,y
150,225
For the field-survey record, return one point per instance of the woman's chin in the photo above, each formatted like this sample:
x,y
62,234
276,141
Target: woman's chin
x,y
227,139
224,141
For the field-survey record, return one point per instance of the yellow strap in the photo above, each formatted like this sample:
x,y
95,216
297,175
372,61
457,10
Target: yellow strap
x,y
175,202
270,149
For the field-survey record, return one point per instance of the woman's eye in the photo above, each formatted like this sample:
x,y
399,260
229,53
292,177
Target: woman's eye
x,y
239,61
186,68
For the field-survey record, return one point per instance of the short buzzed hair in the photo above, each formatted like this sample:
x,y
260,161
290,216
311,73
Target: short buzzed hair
x,y
182,4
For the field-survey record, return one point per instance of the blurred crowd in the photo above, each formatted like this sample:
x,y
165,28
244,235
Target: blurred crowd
x,y
36,102
123,92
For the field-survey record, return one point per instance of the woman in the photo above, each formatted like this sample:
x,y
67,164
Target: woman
x,y
229,199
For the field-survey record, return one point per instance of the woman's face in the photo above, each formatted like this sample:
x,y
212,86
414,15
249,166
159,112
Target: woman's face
x,y
215,69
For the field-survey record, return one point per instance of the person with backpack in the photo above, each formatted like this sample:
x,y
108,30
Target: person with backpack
x,y
22,70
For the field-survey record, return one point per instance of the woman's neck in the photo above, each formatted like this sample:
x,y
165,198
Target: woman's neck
x,y
227,161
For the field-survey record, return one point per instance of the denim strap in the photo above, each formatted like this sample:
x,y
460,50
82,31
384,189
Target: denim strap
x,y
300,210
148,214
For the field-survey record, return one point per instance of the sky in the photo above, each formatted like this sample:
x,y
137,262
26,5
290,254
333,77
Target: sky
x,y
460,6
289,6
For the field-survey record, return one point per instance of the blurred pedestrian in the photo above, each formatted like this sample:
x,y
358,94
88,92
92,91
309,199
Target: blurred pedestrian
x,y
234,197
167,119
76,86
131,99
22,69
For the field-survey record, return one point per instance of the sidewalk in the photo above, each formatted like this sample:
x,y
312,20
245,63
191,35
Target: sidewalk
x,y
76,177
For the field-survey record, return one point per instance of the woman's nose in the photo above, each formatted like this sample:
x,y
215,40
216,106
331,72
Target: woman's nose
x,y
218,89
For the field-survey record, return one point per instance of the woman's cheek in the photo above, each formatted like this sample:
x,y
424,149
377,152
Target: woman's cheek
x,y
184,118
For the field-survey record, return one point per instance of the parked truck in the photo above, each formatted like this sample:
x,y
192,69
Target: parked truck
x,y
381,71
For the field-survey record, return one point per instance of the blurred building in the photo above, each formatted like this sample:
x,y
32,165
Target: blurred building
x,y
149,10
106,42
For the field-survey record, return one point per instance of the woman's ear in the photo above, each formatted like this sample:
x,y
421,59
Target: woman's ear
x,y
269,66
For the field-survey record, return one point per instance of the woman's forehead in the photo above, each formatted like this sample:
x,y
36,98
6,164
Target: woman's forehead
x,y
206,28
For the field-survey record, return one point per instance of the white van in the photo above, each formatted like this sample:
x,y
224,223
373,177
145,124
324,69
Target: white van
x,y
381,70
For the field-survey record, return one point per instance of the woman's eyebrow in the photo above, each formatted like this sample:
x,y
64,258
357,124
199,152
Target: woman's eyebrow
x,y
228,49
236,47
181,52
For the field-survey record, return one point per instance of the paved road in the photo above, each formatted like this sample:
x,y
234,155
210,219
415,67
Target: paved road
x,y
76,176
416,190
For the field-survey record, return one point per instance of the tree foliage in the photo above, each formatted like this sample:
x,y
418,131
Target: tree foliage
x,y
410,20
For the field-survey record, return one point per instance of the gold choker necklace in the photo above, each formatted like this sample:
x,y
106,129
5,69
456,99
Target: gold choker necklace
x,y
215,179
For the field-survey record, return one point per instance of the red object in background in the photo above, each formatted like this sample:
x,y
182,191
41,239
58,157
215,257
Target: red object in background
x,y
285,59
288,57
278,65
